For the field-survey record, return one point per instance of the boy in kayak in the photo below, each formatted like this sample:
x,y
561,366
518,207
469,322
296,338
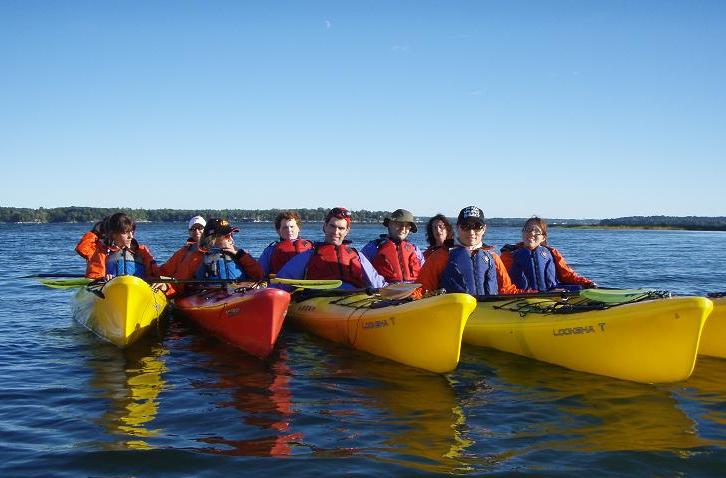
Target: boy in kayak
x,y
222,259
276,255
469,265
393,257
333,258
533,264
119,253
439,233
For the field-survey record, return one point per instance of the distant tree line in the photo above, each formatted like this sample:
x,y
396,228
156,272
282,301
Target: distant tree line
x,y
93,214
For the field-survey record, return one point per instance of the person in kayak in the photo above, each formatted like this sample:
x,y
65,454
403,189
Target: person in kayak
x,y
222,259
184,263
120,254
392,255
469,265
533,264
276,255
92,239
439,233
333,258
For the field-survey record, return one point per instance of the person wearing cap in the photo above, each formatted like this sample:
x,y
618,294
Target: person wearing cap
x,y
439,233
469,265
394,257
184,262
276,255
333,258
222,259
534,264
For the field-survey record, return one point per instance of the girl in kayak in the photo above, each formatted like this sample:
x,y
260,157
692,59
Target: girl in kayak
x,y
222,259
439,233
533,264
119,253
469,265
276,255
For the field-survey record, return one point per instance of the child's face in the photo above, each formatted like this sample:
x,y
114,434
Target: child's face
x,y
123,239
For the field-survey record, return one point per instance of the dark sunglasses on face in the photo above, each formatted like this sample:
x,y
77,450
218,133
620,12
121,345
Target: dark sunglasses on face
x,y
339,212
196,228
474,226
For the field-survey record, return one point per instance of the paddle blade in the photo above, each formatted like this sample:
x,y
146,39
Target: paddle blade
x,y
613,296
398,291
308,284
65,283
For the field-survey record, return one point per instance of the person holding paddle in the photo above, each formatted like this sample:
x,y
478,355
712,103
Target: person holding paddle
x,y
470,265
222,259
184,262
276,255
533,264
333,258
119,253
394,257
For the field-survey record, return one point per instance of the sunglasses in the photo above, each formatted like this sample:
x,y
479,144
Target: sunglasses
x,y
196,228
472,226
339,212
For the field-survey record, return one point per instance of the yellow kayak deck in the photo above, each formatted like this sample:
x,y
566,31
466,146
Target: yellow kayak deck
x,y
120,310
649,341
424,333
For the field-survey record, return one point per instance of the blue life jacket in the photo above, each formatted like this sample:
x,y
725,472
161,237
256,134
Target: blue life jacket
x,y
472,272
534,269
219,265
123,263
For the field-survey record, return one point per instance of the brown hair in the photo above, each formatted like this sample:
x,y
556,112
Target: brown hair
x,y
536,221
430,229
287,215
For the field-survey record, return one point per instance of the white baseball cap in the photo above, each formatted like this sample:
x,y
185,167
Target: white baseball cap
x,y
197,220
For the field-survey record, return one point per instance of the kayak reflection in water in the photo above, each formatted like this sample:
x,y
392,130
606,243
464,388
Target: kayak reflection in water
x,y
470,265
276,255
534,264
333,258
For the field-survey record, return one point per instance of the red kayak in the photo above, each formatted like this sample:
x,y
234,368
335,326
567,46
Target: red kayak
x,y
248,319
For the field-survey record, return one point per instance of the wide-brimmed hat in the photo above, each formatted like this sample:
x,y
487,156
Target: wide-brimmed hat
x,y
218,227
401,215
471,213
197,220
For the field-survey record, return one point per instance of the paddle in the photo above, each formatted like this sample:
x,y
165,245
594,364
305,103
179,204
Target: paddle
x,y
308,283
607,296
396,291
66,282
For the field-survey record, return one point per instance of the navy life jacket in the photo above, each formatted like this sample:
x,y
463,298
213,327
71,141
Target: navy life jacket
x,y
220,265
124,263
533,269
474,272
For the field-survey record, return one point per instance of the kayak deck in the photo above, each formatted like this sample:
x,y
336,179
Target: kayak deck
x,y
645,341
424,333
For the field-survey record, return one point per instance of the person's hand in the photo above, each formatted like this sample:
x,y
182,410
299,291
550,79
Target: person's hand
x,y
590,285
109,277
160,286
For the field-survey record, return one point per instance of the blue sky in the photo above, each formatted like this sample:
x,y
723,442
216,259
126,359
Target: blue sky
x,y
557,108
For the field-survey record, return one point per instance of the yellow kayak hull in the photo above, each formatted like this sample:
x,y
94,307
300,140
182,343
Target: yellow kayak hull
x,y
124,310
652,341
713,339
425,333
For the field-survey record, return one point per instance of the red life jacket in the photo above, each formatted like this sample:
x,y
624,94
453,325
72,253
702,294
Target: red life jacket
x,y
396,262
335,262
286,250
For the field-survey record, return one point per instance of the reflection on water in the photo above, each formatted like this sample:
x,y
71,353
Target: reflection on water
x,y
583,412
259,390
131,381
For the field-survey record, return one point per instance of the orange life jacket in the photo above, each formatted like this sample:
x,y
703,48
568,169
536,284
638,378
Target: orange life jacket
x,y
335,262
286,250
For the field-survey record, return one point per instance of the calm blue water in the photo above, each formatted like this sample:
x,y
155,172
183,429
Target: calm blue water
x,y
182,404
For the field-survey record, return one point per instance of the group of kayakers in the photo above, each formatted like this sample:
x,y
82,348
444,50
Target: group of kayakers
x,y
455,264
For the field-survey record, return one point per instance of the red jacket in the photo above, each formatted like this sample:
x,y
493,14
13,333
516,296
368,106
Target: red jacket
x,y
88,244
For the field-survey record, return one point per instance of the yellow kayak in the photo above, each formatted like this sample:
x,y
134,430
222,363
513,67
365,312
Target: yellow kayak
x,y
650,341
425,333
120,310
713,339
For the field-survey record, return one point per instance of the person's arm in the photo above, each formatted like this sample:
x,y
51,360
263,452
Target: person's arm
x,y
369,250
87,245
96,266
294,269
249,265
433,268
420,255
565,274
169,268
505,282
372,277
